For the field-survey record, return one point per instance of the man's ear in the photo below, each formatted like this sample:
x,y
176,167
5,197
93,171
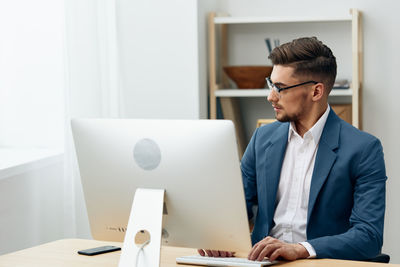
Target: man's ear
x,y
318,91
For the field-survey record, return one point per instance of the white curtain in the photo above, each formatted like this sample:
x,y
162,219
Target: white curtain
x,y
93,89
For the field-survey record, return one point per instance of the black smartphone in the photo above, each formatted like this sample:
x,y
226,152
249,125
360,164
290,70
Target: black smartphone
x,y
98,250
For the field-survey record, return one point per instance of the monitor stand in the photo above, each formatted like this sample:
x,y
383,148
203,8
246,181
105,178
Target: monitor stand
x,y
142,241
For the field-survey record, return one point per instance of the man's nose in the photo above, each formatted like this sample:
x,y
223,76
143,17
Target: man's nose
x,y
273,96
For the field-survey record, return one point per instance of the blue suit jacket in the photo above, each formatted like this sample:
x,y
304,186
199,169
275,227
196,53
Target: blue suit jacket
x,y
347,196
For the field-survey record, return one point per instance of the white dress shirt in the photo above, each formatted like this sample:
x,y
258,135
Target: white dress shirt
x,y
291,210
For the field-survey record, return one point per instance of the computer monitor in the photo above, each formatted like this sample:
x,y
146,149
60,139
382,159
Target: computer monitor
x,y
195,161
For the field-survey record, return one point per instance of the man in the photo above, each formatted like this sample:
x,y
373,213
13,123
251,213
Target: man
x,y
318,182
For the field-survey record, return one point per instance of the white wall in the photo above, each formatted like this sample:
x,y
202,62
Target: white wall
x,y
381,92
204,8
31,116
31,207
162,58
31,73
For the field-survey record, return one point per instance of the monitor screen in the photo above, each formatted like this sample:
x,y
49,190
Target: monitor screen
x,y
195,161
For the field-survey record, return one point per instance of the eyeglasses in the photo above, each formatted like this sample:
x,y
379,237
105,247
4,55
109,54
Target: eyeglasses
x,y
278,89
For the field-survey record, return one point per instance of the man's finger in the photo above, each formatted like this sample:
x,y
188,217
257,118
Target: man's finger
x,y
275,254
209,253
222,253
256,251
215,253
253,250
268,250
201,252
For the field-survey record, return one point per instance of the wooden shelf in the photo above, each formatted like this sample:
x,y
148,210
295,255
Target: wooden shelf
x,y
244,20
265,92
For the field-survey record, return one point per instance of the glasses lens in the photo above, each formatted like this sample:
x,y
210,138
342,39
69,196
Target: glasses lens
x,y
272,86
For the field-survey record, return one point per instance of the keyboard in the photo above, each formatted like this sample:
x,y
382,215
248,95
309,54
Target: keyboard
x,y
221,261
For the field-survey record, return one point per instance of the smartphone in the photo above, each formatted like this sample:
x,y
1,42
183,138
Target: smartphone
x,y
98,250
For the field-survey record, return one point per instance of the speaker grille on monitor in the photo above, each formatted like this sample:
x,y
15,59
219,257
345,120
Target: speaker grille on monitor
x,y
147,154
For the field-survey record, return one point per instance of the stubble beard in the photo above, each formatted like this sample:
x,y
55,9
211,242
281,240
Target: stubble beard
x,y
287,118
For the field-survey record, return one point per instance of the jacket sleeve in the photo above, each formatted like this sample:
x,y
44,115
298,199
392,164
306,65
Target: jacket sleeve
x,y
248,168
364,238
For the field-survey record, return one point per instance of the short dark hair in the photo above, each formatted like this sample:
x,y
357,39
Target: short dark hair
x,y
309,57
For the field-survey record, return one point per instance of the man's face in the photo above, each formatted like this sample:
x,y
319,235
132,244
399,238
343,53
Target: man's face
x,y
292,104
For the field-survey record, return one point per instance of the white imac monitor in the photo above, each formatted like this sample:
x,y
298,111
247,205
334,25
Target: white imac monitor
x,y
195,161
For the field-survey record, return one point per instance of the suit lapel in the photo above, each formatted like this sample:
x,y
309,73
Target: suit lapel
x,y
325,158
275,155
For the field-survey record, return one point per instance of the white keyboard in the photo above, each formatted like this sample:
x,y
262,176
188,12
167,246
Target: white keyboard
x,y
221,261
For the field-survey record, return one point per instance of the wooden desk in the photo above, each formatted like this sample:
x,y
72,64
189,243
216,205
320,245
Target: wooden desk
x,y
64,253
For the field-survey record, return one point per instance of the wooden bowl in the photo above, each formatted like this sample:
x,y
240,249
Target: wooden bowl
x,y
248,77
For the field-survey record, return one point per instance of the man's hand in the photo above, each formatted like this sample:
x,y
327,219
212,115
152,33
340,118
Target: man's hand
x,y
274,248
215,253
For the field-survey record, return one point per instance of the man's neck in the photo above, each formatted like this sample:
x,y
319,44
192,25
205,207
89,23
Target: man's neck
x,y
305,124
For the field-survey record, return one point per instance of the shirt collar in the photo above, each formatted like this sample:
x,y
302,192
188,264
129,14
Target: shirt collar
x,y
315,131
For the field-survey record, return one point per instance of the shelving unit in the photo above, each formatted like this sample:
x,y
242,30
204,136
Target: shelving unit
x,y
219,86
242,20
265,92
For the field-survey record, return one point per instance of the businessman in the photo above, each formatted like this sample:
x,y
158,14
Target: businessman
x,y
318,182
